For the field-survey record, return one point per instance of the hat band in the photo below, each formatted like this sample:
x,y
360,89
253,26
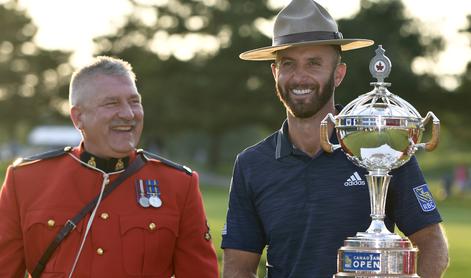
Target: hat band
x,y
306,37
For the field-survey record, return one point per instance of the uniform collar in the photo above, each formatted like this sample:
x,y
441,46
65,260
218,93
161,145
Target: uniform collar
x,y
284,147
107,165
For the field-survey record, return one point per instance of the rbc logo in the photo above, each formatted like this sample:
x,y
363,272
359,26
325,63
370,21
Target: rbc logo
x,y
424,197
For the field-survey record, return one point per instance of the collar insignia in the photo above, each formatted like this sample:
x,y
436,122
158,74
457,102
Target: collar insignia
x,y
119,165
92,162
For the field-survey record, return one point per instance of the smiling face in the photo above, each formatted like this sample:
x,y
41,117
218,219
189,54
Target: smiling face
x,y
306,78
110,115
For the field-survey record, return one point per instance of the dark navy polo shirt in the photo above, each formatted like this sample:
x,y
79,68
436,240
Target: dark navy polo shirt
x,y
303,208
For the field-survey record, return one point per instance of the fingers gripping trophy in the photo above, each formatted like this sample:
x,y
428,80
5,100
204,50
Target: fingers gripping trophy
x,y
380,132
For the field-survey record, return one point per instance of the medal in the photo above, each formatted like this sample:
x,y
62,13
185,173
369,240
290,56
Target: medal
x,y
154,192
141,194
155,201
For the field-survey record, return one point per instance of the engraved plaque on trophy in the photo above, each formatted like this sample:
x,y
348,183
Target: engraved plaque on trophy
x,y
380,132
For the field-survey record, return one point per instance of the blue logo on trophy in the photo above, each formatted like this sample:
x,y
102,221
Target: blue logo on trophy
x,y
364,261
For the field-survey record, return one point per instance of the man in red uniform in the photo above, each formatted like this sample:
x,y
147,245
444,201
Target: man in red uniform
x,y
152,225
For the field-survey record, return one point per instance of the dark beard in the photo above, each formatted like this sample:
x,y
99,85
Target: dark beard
x,y
306,110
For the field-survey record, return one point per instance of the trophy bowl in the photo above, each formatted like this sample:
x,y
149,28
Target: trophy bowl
x,y
378,131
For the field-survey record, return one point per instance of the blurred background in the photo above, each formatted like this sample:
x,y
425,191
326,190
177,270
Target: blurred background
x,y
203,104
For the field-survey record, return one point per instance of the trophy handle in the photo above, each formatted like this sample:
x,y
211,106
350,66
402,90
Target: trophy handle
x,y
324,134
433,142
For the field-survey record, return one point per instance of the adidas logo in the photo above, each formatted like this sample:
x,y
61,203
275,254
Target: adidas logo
x,y
354,179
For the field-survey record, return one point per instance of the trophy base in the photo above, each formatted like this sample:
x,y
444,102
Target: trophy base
x,y
369,255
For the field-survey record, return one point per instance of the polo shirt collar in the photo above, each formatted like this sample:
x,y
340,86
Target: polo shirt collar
x,y
283,144
284,147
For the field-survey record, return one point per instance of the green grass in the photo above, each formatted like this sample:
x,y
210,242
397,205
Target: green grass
x,y
455,211
457,222
215,202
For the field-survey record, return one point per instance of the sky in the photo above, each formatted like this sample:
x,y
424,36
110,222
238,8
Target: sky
x,y
71,25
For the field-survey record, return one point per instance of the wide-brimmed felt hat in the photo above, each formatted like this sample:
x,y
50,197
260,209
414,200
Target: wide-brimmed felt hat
x,y
303,22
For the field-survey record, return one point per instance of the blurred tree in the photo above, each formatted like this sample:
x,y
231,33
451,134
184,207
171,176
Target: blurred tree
x,y
204,86
386,22
461,99
31,79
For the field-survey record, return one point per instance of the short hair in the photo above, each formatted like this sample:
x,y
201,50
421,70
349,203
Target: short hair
x,y
100,65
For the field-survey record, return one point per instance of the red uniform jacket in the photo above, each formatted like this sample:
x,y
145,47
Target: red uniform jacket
x,y
125,239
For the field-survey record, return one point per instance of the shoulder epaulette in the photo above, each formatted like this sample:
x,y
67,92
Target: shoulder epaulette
x,y
167,162
42,156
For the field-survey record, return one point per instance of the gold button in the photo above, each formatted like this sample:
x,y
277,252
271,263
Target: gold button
x,y
51,223
152,226
100,251
104,216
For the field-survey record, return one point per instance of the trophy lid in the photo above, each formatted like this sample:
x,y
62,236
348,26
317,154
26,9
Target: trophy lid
x,y
380,101
380,65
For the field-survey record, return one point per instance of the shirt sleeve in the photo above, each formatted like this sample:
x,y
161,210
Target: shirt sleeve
x,y
12,260
413,206
243,229
194,254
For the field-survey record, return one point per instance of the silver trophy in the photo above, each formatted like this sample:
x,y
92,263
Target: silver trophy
x,y
380,132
